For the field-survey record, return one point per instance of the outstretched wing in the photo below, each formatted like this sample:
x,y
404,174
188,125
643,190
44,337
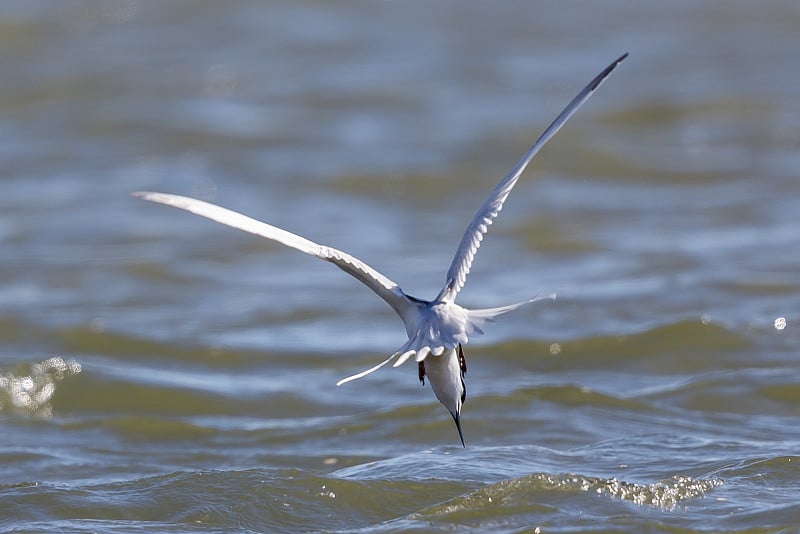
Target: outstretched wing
x,y
462,261
385,288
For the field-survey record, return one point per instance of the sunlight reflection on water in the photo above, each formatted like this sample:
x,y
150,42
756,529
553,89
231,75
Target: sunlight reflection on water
x,y
32,390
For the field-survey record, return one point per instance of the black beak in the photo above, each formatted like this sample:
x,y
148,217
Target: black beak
x,y
457,419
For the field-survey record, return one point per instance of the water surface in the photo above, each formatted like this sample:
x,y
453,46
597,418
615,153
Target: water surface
x,y
162,373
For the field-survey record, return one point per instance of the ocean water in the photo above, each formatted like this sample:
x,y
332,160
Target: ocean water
x,y
161,373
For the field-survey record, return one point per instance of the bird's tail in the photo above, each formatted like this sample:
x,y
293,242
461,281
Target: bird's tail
x,y
478,318
403,353
421,344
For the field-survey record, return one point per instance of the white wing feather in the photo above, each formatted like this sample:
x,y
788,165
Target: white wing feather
x,y
385,288
432,327
462,261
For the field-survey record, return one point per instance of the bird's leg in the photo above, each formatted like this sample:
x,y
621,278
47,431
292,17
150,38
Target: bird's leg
x,y
422,372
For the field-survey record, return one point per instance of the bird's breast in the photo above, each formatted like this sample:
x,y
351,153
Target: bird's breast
x,y
444,374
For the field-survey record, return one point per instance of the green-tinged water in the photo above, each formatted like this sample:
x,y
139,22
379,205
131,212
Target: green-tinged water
x,y
160,373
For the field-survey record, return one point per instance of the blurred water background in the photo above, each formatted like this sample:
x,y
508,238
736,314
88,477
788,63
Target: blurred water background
x,y
159,372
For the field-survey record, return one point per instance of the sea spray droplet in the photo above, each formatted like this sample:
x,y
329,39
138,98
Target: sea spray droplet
x,y
33,390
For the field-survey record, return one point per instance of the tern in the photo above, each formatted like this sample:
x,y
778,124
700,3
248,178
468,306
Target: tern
x,y
437,329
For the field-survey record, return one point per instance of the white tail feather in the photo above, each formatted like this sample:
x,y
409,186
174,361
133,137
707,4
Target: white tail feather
x,y
403,357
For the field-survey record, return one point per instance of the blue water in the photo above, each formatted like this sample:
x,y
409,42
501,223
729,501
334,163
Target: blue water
x,y
159,372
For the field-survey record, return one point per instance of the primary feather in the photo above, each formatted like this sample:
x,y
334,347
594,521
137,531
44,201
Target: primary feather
x,y
462,261
380,284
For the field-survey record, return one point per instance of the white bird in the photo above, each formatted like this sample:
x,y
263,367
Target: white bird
x,y
438,328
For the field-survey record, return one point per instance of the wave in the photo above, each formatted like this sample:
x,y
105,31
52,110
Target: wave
x,y
30,387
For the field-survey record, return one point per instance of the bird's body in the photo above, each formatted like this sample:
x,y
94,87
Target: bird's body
x,y
438,328
446,375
